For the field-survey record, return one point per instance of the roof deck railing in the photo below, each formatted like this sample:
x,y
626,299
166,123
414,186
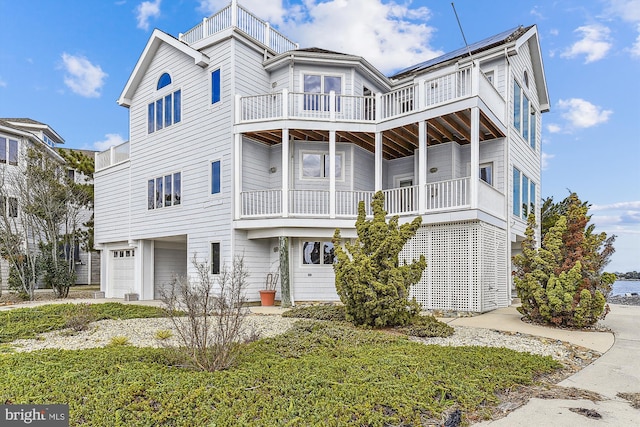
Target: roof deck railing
x,y
236,16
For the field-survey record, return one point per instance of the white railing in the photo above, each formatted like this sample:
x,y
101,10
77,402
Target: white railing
x,y
490,199
261,203
347,202
443,195
402,200
333,106
245,21
309,202
398,102
490,95
112,156
448,194
261,107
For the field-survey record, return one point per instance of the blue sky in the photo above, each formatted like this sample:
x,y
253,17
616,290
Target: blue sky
x,y
66,62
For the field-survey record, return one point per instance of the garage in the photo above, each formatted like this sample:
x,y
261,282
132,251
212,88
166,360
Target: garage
x,y
122,270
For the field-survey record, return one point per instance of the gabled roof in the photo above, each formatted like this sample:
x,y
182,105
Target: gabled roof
x,y
482,45
9,127
157,38
27,124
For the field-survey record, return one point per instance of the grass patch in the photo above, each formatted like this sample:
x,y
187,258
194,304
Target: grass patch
x,y
319,373
317,312
28,322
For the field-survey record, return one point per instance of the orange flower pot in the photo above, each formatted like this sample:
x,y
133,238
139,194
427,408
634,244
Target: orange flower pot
x,y
267,297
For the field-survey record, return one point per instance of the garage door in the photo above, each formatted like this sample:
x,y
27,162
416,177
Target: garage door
x,y
122,278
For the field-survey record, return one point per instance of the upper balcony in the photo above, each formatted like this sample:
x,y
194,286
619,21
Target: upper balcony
x,y
423,95
111,157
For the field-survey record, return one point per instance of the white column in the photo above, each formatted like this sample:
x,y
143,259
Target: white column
x,y
332,173
285,172
475,156
422,167
378,161
237,175
234,13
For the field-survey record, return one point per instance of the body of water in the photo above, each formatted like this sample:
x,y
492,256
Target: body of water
x,y
621,287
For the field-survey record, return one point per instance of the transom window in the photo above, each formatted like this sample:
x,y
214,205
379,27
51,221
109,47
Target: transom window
x,y
318,253
316,165
8,151
164,80
524,195
316,91
164,191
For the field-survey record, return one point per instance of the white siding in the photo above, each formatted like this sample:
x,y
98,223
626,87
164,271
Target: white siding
x,y
170,262
363,170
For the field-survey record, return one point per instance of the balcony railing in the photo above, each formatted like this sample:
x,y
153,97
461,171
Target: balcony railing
x,y
333,106
441,196
237,16
112,156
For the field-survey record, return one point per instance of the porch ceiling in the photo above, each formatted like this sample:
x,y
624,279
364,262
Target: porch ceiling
x,y
397,142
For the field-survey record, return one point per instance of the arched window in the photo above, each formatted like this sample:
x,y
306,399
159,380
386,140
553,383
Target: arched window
x,y
163,81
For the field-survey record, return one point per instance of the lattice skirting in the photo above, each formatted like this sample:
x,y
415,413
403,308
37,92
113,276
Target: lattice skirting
x,y
466,266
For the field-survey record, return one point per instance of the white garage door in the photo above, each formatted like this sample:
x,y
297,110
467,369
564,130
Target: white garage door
x,y
122,272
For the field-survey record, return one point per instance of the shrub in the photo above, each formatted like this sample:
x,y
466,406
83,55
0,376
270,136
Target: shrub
x,y
119,341
318,312
79,319
562,282
213,326
427,327
370,281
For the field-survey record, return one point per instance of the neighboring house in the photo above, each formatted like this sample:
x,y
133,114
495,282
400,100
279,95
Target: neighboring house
x,y
17,136
240,142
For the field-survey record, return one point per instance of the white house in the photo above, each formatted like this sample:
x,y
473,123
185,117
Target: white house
x,y
17,136
240,143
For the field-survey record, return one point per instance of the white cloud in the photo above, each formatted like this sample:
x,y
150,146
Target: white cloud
x,y
595,43
2,82
146,10
399,38
619,205
581,113
111,140
553,128
546,157
83,77
628,11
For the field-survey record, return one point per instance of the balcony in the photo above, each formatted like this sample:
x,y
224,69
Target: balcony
x,y
425,94
111,157
440,196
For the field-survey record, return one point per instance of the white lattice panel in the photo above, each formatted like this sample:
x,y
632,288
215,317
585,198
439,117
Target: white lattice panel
x,y
466,266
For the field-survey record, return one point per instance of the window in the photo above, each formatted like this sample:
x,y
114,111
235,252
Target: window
x,y
215,177
215,258
71,175
9,151
524,115
215,86
164,80
524,195
164,191
164,112
486,173
317,253
316,165
490,75
316,91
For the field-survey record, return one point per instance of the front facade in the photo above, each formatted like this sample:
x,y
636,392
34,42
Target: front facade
x,y
242,144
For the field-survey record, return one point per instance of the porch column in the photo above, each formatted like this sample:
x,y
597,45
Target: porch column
x,y
285,283
378,162
237,175
285,172
422,167
475,156
332,174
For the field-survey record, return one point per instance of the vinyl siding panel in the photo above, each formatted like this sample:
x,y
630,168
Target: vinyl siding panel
x,y
170,261
364,170
111,204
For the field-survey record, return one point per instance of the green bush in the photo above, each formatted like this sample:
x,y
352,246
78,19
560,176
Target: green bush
x,y
318,312
340,375
370,281
427,327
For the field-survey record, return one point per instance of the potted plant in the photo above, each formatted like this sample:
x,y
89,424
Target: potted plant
x,y
268,294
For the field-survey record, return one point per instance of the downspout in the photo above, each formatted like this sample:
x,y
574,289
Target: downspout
x,y
509,173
